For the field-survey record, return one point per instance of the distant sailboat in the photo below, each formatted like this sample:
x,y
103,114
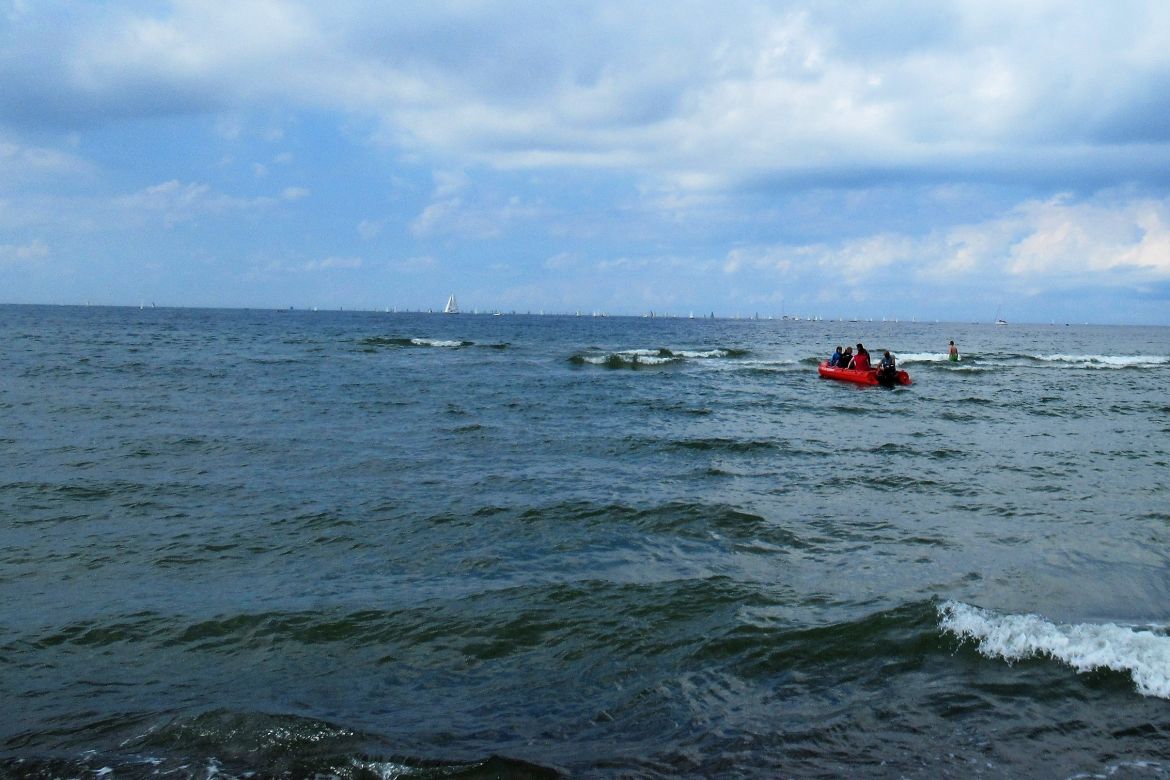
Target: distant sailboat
x,y
451,307
998,319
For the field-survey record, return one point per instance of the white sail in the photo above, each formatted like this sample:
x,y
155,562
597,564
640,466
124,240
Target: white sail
x,y
452,307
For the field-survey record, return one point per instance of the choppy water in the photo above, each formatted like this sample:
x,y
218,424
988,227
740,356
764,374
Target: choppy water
x,y
377,545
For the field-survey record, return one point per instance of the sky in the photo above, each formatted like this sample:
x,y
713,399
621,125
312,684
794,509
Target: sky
x,y
945,159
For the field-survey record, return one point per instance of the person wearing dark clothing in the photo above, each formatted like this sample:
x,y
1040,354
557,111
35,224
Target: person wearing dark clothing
x,y
887,369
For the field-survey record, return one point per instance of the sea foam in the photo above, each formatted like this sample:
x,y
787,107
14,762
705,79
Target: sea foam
x,y
922,357
439,343
1142,653
1108,361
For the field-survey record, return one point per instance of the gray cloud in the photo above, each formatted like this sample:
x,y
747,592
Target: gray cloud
x,y
679,92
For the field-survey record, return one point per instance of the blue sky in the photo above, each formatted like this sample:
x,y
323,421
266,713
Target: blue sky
x,y
931,160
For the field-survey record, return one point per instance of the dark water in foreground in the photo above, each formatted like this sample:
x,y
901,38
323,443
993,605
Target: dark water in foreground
x,y
247,544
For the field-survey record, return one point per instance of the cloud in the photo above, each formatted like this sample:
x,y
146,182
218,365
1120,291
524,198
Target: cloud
x,y
21,163
455,210
32,253
675,92
1091,238
179,202
416,264
1055,242
369,229
333,264
563,261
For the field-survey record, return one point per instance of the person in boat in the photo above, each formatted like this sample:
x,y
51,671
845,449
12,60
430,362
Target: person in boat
x,y
860,360
835,360
887,368
954,352
846,356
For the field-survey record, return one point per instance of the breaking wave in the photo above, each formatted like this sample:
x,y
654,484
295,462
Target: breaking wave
x,y
1106,361
382,341
645,358
1143,654
1008,360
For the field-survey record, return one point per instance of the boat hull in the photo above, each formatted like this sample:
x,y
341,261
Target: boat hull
x,y
866,377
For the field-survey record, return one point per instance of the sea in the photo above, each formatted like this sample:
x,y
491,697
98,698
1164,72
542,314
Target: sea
x,y
257,543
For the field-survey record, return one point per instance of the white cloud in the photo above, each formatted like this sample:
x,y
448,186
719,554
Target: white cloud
x,y
31,253
415,264
563,261
23,163
1065,238
456,211
1049,242
333,264
369,229
180,202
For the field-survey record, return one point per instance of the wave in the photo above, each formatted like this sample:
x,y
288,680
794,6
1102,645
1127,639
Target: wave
x,y
227,744
383,341
1017,360
721,443
1143,654
645,358
923,357
1106,361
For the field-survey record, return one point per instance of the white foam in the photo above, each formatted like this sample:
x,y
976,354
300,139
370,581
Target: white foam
x,y
646,357
923,357
1108,361
435,343
385,770
1143,654
711,353
638,357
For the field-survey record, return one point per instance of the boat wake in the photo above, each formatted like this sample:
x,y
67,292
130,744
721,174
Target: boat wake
x,y
1143,654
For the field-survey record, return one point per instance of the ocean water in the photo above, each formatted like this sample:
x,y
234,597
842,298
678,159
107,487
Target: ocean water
x,y
257,543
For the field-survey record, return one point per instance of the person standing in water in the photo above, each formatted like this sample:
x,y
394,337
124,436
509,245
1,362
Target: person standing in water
x,y
954,352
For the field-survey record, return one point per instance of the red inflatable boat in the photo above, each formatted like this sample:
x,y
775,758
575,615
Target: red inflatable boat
x,y
861,377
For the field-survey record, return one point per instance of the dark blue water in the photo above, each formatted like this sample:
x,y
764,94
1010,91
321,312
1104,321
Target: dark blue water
x,y
252,543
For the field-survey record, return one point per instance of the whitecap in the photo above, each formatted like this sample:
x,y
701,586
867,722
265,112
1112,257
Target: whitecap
x,y
922,357
697,355
647,358
436,343
1107,361
1142,653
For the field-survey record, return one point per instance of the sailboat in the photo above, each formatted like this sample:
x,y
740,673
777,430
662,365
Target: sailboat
x,y
998,319
451,307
